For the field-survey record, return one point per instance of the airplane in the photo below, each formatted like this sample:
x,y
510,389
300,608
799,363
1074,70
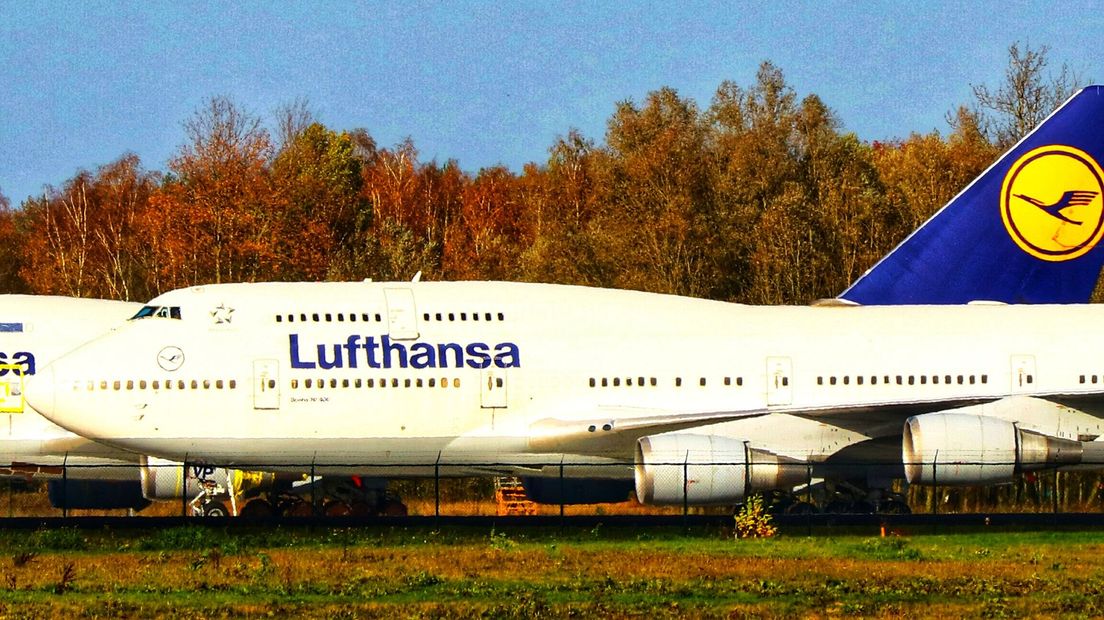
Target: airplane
x,y
80,473
83,474
684,401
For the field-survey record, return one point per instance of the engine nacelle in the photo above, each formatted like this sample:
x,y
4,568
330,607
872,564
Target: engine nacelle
x,y
707,469
576,490
964,449
166,480
96,494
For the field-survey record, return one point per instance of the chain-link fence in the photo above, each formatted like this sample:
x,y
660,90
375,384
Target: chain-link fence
x,y
548,489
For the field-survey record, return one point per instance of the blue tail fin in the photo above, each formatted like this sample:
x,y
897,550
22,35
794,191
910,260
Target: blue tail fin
x,y
1028,230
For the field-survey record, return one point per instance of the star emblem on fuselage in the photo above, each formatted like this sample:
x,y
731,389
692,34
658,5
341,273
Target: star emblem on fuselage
x,y
222,314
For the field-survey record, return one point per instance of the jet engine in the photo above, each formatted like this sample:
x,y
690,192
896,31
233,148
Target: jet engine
x,y
167,480
965,449
707,469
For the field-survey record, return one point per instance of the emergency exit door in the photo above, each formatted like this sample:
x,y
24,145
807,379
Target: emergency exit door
x,y
492,388
266,384
779,377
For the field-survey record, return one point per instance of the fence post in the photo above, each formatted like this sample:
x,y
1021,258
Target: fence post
x,y
809,495
183,487
65,486
1056,482
314,487
685,488
437,487
935,483
561,491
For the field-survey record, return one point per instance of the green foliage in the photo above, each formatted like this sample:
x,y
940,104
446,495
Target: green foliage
x,y
753,520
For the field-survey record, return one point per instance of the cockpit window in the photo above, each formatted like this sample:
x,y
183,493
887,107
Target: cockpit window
x,y
163,312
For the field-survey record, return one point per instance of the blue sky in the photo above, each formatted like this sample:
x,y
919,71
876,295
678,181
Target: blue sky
x,y
82,83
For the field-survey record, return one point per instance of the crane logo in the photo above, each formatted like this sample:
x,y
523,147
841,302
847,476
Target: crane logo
x,y
1052,203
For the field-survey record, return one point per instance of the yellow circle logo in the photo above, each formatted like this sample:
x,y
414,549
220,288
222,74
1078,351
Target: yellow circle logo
x,y
1052,202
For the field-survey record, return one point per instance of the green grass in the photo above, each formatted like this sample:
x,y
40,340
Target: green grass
x,y
604,572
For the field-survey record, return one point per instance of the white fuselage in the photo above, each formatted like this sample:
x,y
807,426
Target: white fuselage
x,y
337,376
35,330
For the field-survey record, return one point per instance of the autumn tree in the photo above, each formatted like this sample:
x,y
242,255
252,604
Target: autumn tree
x,y
316,181
82,240
215,217
11,250
654,203
1027,96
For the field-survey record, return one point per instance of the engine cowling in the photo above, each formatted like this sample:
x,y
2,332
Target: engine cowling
x,y
707,469
965,449
96,494
167,480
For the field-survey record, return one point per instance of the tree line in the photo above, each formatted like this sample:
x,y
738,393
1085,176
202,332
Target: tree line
x,y
760,197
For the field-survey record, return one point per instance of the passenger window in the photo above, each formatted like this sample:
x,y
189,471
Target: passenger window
x,y
456,382
308,383
207,384
604,384
315,317
593,382
616,381
678,381
294,383
233,384
130,385
116,386
142,384
701,382
279,318
218,384
344,383
831,380
195,384
433,382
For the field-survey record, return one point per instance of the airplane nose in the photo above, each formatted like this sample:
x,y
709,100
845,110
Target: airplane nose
x,y
40,392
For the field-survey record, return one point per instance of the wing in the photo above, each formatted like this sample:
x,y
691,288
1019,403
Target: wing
x,y
615,430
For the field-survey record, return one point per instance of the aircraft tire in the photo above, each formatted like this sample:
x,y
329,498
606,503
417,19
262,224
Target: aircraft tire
x,y
214,509
393,508
257,509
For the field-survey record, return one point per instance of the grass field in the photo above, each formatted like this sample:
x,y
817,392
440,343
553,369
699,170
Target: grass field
x,y
201,572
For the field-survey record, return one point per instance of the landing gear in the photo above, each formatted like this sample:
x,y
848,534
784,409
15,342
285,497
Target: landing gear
x,y
257,509
836,498
214,508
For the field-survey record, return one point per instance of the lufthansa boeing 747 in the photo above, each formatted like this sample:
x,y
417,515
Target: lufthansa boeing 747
x,y
685,400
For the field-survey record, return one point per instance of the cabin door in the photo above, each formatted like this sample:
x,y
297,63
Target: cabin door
x,y
266,384
779,374
1023,374
492,382
11,388
402,316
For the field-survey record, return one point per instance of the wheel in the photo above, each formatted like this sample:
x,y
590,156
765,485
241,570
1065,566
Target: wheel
x,y
801,508
361,509
298,509
214,509
336,509
257,509
895,507
393,508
